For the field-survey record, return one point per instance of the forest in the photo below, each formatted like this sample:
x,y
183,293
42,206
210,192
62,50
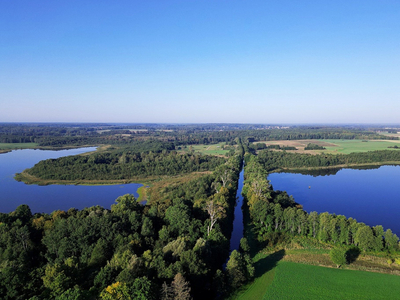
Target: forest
x,y
177,245
63,135
272,160
123,165
270,213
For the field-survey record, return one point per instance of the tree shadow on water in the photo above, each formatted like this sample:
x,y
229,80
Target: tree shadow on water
x,y
268,263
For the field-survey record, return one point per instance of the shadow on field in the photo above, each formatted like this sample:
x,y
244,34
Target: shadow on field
x,y
352,254
268,263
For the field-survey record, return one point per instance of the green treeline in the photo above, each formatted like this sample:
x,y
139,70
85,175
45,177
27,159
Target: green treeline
x,y
174,245
261,146
269,215
272,160
311,146
122,165
61,135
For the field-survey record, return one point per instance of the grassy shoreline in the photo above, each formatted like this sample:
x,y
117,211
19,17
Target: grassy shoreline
x,y
142,194
30,179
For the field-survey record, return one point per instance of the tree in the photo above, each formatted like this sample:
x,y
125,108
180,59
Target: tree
x,y
166,292
215,211
22,212
278,213
364,238
391,240
324,222
235,270
378,232
313,222
338,256
99,253
181,288
142,289
244,245
125,204
56,280
178,290
116,291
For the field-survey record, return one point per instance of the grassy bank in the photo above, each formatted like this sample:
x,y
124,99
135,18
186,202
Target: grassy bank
x,y
142,194
7,147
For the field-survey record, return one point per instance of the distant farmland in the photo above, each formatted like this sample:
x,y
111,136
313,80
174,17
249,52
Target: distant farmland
x,y
337,146
349,146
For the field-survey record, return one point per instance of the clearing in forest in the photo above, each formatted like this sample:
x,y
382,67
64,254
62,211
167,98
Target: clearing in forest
x,y
210,149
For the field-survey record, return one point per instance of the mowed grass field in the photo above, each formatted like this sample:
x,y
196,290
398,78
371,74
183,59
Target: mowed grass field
x,y
289,280
349,146
10,146
213,149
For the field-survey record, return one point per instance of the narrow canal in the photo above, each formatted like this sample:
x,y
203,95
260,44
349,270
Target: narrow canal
x,y
237,231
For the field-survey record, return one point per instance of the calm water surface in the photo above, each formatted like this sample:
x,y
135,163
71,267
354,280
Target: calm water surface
x,y
237,231
370,196
52,197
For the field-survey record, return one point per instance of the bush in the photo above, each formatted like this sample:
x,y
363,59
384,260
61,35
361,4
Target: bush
x,y
338,256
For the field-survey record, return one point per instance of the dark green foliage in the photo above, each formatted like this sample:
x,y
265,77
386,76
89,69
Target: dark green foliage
x,y
122,165
61,135
273,212
311,146
239,269
338,256
78,254
272,160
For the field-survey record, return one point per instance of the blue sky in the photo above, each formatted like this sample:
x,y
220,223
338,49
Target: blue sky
x,y
195,61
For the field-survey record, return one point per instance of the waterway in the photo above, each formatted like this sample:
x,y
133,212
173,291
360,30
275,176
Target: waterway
x,y
51,197
371,196
237,231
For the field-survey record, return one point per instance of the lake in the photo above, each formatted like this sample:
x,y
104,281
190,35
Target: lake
x,y
371,196
51,197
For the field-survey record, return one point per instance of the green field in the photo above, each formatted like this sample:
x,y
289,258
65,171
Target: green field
x,y
213,149
288,280
349,146
11,146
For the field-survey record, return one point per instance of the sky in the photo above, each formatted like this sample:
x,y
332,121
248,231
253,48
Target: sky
x,y
200,61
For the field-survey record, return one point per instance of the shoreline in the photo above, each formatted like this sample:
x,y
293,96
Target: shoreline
x,y
343,166
30,179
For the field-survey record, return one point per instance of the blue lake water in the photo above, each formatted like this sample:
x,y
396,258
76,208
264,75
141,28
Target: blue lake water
x,y
370,196
52,197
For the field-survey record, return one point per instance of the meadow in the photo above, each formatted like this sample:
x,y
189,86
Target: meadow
x,y
349,146
12,146
337,146
289,280
213,149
